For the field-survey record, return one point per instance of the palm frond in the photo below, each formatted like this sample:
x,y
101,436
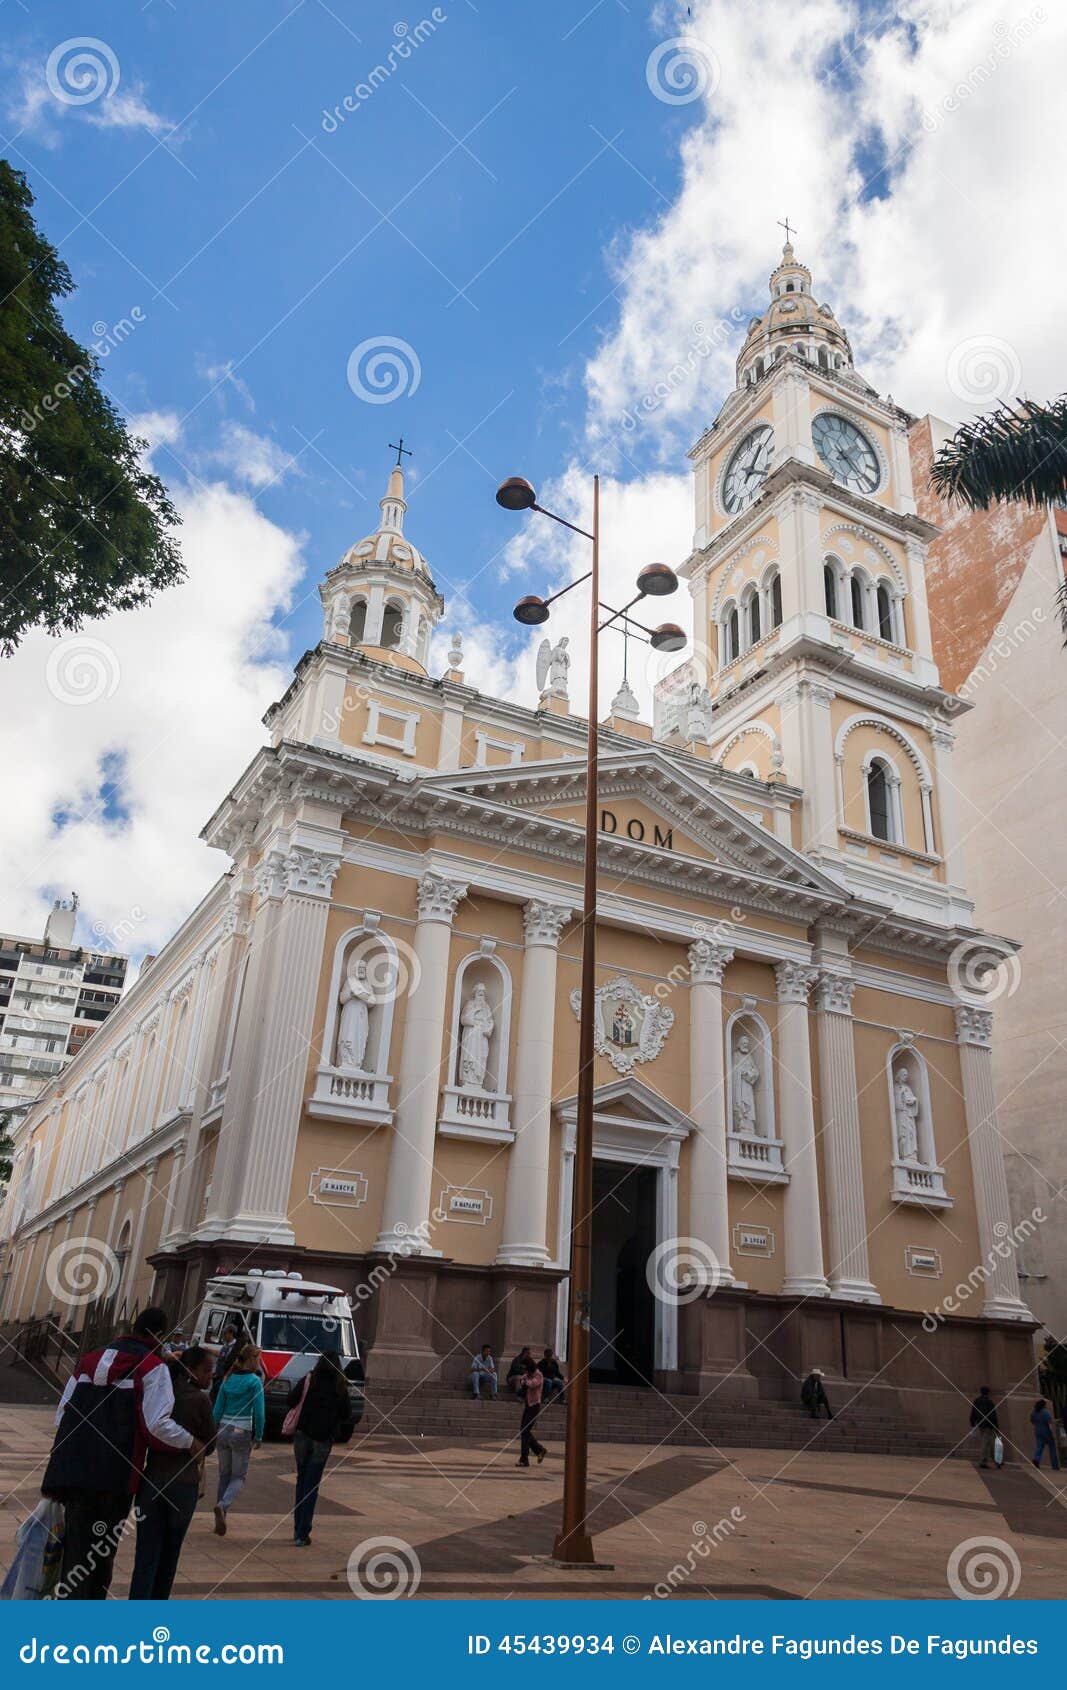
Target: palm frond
x,y
1015,453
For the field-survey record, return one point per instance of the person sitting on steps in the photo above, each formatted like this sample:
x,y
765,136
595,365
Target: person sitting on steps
x,y
813,1394
483,1372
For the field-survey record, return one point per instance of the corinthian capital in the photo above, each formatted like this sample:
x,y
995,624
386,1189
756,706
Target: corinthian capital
x,y
707,962
311,873
438,898
795,980
974,1026
834,993
543,923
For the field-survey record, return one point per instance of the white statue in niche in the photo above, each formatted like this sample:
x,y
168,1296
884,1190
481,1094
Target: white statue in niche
x,y
477,1023
906,1116
746,1077
355,999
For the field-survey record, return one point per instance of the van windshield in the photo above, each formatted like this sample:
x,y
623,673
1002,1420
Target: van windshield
x,y
302,1333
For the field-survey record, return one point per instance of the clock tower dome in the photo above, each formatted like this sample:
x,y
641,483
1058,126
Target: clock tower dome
x,y
812,631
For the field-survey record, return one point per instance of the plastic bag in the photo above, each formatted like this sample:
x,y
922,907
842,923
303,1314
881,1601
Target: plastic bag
x,y
998,1451
33,1573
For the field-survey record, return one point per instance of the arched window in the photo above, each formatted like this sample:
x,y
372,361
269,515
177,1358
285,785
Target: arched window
x,y
824,361
392,625
857,602
879,801
732,633
357,626
776,601
750,615
886,627
829,582
759,369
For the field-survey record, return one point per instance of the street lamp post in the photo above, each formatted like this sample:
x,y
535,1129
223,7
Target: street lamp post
x,y
573,1545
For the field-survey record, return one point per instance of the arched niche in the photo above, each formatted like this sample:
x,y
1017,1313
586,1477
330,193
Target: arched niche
x,y
754,1148
472,1109
367,975
917,1174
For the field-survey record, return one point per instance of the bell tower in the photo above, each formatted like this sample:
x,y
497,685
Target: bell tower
x,y
812,631
380,598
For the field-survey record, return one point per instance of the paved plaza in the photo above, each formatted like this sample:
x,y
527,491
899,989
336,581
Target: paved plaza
x,y
453,1517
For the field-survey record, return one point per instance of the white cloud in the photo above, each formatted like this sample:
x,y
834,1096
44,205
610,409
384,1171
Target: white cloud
x,y
177,690
962,100
39,106
253,458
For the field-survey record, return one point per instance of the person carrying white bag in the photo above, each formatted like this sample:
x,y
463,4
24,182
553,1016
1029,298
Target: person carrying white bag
x,y
33,1573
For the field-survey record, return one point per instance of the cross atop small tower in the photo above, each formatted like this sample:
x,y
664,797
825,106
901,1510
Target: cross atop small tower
x,y
782,225
401,451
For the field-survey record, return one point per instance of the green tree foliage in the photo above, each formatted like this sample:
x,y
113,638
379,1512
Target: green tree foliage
x,y
84,527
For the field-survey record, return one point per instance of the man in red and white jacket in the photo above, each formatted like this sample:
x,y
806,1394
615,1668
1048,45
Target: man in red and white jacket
x,y
116,1406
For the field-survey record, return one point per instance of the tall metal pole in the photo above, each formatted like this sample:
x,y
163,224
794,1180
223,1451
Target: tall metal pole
x,y
574,1543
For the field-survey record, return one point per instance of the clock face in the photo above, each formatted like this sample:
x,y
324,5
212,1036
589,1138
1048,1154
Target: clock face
x,y
847,454
747,470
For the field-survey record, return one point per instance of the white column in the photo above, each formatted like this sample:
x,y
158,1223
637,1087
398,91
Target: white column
x,y
804,1272
974,1029
524,1242
846,1212
409,1183
250,1199
709,1216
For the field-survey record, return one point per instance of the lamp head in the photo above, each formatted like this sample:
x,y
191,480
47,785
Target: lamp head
x,y
656,580
515,494
667,637
531,611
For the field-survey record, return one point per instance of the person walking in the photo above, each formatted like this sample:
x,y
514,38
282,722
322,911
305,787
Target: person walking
x,y
531,1385
813,1394
239,1416
324,1418
1044,1434
984,1421
117,1404
168,1495
483,1372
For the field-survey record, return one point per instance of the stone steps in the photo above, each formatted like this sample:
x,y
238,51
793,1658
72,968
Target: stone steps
x,y
621,1416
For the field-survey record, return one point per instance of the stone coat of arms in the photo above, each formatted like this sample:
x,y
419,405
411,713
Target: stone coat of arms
x,y
627,1026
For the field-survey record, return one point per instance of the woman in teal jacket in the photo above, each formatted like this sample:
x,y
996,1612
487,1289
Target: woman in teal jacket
x,y
239,1418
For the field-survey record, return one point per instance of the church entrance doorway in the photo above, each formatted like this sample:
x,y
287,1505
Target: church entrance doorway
x,y
623,1328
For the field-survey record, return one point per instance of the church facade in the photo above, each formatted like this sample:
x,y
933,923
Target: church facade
x,y
357,1059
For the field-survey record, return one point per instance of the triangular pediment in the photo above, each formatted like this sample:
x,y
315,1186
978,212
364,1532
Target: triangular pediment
x,y
648,802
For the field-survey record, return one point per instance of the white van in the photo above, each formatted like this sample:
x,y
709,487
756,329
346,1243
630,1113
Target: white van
x,y
292,1320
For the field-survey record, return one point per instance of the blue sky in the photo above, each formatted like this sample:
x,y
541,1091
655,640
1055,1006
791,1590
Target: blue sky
x,y
251,236
565,214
